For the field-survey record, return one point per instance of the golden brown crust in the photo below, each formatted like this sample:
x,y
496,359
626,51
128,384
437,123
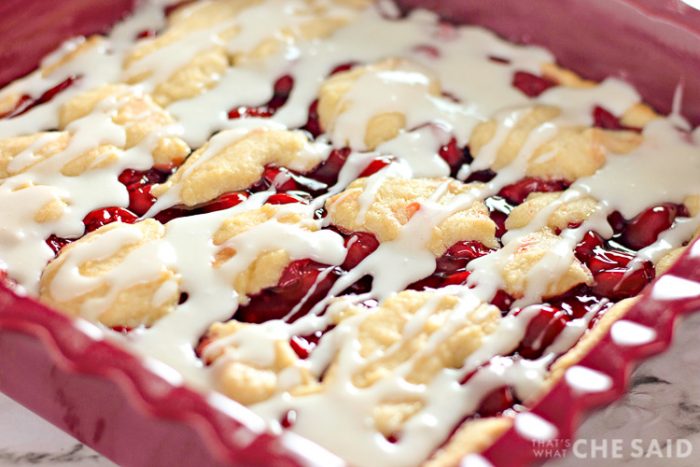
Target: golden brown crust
x,y
239,164
572,153
572,212
108,300
381,127
531,249
50,144
397,200
245,381
136,112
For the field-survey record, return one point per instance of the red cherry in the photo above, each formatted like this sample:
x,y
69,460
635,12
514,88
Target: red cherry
x,y
376,165
604,260
586,248
620,283
483,176
122,329
517,192
457,278
343,67
459,255
455,156
327,172
499,218
313,124
285,198
141,199
173,213
301,346
360,245
281,91
645,228
496,402
57,243
224,201
502,300
298,278
602,118
578,301
617,221
99,217
541,331
531,85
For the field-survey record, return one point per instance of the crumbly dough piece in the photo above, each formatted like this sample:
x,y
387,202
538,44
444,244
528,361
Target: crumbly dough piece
x,y
207,65
383,331
572,212
136,112
574,152
208,173
382,127
397,200
530,250
46,145
265,271
246,381
111,298
211,23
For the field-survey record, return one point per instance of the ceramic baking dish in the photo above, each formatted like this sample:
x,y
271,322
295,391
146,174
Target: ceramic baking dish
x,y
136,413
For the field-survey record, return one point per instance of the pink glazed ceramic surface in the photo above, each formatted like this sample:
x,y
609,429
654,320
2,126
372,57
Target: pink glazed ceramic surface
x,y
128,409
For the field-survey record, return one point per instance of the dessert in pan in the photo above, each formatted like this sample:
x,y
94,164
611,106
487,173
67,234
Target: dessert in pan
x,y
385,233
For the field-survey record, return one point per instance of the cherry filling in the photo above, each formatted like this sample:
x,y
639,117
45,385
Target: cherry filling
x,y
26,102
327,172
497,401
301,285
517,192
499,209
225,201
376,165
281,92
99,217
531,85
615,276
304,345
602,118
313,122
455,156
542,330
644,229
451,267
93,221
359,244
57,243
139,182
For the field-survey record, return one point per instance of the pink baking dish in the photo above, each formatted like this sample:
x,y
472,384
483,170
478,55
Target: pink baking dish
x,y
130,411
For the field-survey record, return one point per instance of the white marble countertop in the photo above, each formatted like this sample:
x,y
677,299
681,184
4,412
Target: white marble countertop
x,y
663,404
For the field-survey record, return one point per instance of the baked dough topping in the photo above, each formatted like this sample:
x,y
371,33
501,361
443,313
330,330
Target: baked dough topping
x,y
340,216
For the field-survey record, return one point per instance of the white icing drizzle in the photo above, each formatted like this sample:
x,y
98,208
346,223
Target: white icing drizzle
x,y
459,57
